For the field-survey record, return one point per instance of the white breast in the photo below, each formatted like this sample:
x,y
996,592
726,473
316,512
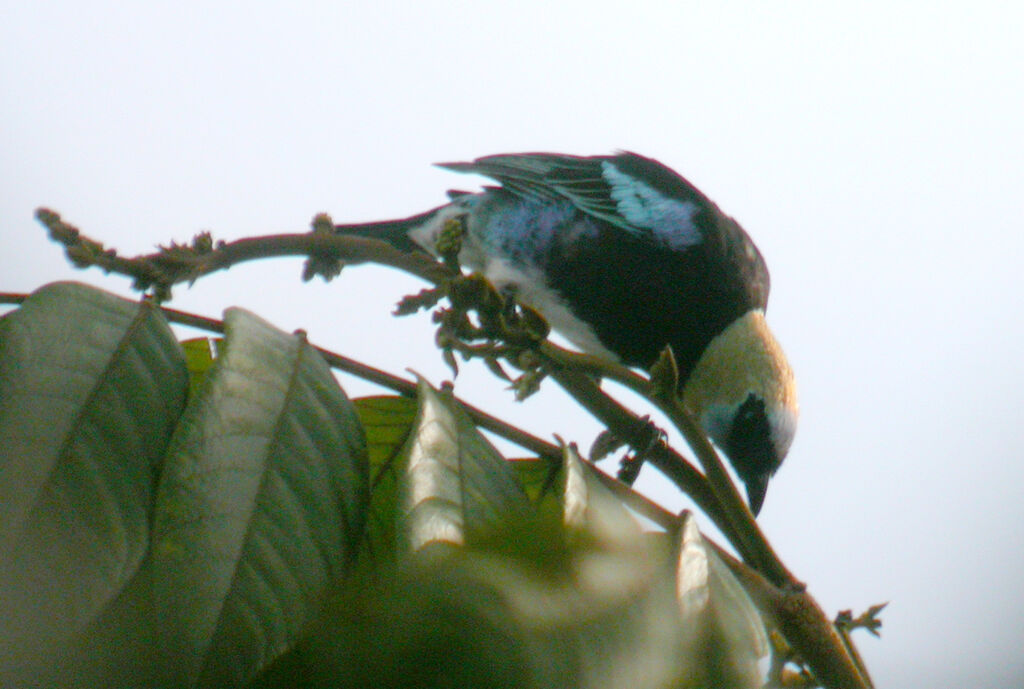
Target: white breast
x,y
528,285
531,289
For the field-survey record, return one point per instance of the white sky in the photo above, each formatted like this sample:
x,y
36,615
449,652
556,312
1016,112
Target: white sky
x,y
875,155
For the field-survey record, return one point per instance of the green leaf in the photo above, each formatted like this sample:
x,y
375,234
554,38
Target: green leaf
x,y
725,634
609,620
457,486
460,617
538,478
200,353
260,506
437,622
91,386
388,420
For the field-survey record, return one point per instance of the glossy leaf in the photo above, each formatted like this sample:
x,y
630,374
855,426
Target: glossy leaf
x,y
456,484
91,386
589,507
725,634
260,505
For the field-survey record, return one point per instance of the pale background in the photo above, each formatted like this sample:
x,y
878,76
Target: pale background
x,y
875,154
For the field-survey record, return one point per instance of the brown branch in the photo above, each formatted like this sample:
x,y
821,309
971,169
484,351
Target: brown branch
x,y
177,263
804,625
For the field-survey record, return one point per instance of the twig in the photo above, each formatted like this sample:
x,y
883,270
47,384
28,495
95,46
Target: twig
x,y
186,263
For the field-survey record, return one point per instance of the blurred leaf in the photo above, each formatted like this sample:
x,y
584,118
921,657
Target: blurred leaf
x,y
539,478
590,508
455,617
91,386
117,649
725,634
260,505
438,622
456,486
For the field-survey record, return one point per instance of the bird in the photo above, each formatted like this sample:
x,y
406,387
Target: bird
x,y
623,256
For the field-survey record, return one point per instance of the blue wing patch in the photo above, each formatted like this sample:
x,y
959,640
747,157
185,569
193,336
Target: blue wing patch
x,y
672,221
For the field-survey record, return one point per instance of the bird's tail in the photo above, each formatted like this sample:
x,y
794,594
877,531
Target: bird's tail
x,y
394,232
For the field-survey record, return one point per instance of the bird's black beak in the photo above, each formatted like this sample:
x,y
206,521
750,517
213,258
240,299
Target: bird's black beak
x,y
757,488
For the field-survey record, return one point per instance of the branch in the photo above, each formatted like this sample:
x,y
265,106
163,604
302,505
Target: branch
x,y
634,430
805,626
326,250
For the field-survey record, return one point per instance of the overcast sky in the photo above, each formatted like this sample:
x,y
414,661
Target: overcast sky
x,y
876,156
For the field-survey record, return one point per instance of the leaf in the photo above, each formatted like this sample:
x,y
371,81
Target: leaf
x,y
538,477
665,375
590,508
459,617
456,486
438,622
91,386
612,618
200,353
388,421
260,506
726,636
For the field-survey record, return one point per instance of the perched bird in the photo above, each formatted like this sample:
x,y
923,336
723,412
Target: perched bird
x,y
623,256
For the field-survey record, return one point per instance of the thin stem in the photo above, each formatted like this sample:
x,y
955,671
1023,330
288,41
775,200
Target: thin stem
x,y
176,264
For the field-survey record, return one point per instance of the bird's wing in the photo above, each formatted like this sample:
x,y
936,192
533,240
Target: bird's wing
x,y
637,194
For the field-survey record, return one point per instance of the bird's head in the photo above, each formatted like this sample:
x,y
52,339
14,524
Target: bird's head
x,y
743,394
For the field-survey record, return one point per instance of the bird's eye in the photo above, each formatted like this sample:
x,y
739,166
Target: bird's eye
x,y
750,416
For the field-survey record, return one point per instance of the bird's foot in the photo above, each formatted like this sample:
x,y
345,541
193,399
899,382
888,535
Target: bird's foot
x,y
629,466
